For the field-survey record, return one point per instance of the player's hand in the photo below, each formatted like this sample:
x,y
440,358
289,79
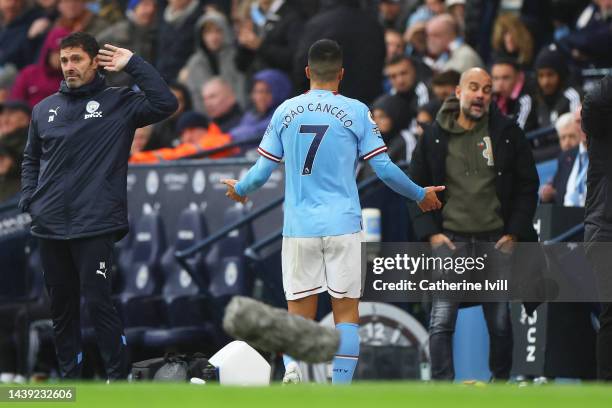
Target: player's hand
x,y
548,193
113,58
437,240
231,191
506,244
431,202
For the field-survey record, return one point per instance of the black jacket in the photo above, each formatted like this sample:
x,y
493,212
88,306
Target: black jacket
x,y
363,44
516,182
550,108
75,162
596,114
279,42
175,43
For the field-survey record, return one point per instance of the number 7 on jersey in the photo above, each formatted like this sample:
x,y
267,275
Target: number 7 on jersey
x,y
319,131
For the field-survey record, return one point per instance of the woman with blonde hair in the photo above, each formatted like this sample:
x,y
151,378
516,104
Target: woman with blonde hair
x,y
511,38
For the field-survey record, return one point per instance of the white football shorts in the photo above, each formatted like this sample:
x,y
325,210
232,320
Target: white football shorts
x,y
316,265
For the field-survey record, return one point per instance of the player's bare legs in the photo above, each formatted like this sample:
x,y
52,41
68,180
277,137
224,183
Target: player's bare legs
x,y
346,310
305,307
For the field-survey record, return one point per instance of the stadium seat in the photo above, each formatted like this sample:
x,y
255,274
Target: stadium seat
x,y
139,301
229,274
123,257
187,314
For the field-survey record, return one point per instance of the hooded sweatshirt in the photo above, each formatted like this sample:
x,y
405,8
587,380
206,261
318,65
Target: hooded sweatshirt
x,y
253,123
204,64
471,204
37,81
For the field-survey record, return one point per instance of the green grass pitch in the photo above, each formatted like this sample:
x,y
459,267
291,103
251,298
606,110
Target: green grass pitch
x,y
371,395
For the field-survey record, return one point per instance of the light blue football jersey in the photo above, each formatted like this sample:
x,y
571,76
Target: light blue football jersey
x,y
321,135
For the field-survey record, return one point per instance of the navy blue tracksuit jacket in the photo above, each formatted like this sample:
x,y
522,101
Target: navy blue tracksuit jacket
x,y
74,170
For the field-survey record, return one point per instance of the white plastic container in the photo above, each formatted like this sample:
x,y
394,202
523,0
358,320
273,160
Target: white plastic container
x,y
371,224
240,364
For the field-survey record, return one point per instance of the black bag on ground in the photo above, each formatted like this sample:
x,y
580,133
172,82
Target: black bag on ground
x,y
175,367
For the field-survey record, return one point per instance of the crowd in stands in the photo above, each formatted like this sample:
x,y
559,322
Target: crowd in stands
x,y
232,62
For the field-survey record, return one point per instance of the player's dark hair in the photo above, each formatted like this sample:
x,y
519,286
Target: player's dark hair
x,y
82,40
325,60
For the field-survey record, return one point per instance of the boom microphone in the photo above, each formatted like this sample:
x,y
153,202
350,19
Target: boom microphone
x,y
277,331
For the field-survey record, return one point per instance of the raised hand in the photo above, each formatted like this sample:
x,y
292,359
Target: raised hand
x,y
231,191
431,202
113,58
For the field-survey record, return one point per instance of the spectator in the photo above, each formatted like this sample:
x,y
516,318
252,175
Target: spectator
x,y
137,32
512,95
269,38
10,174
220,104
575,195
196,134
511,39
75,16
446,49
573,144
271,87
426,12
393,14
443,84
486,164
14,122
456,8
555,97
363,47
6,83
394,44
141,138
48,14
176,39
403,77
591,41
164,134
479,18
426,116
415,38
15,20
215,56
388,111
37,81
568,131
15,118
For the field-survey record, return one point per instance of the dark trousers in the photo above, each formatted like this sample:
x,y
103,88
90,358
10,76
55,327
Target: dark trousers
x,y
604,343
497,314
600,255
75,268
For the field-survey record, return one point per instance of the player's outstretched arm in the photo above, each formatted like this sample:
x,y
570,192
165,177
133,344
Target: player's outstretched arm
x,y
399,182
254,179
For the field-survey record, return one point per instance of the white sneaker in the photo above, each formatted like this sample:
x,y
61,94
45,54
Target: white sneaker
x,y
293,374
6,378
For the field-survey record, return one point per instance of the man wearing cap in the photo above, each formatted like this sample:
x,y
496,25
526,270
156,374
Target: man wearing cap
x,y
74,187
554,95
